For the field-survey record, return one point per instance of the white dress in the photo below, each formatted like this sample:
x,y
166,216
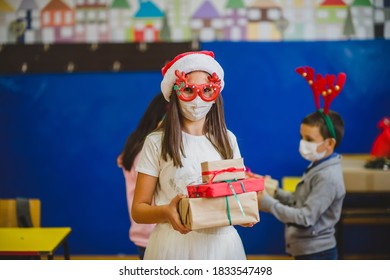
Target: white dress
x,y
165,243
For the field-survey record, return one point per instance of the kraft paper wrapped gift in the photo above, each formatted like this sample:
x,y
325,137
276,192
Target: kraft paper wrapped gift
x,y
226,188
199,213
222,170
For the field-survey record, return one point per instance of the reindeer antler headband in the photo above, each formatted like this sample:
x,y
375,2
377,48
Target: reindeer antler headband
x,y
326,87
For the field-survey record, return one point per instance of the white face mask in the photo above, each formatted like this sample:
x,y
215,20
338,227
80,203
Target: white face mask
x,y
196,109
308,150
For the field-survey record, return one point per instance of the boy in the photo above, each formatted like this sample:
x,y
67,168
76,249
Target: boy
x,y
313,210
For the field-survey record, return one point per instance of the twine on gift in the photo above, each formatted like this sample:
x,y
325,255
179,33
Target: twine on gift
x,y
216,172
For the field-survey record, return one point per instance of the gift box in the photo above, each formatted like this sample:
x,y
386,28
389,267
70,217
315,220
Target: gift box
x,y
226,188
222,170
199,213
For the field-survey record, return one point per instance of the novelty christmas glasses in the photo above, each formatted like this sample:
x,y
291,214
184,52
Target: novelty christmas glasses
x,y
188,92
326,87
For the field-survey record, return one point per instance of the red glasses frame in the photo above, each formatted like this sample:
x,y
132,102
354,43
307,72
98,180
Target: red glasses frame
x,y
182,84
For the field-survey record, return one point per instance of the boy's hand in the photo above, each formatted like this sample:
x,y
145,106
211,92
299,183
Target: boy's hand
x,y
270,185
264,201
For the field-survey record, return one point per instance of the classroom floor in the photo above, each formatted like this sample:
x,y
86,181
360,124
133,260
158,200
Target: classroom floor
x,y
135,257
249,257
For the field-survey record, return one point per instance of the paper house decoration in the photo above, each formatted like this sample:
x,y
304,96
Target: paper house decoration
x,y
7,16
92,21
207,23
28,14
330,17
57,22
178,20
120,21
300,19
235,21
263,16
382,18
362,18
147,22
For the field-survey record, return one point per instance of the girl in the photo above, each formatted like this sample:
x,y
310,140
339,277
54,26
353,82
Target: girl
x,y
193,131
127,160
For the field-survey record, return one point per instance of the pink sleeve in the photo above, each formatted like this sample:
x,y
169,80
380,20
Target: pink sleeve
x,y
139,233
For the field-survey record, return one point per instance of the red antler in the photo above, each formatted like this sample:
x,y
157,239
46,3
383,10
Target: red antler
x,y
332,90
323,86
214,78
308,74
181,77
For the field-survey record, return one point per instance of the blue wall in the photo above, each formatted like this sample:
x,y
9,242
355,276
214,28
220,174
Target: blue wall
x,y
61,133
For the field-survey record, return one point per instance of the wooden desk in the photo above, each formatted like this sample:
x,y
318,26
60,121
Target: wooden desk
x,y
367,200
359,179
39,242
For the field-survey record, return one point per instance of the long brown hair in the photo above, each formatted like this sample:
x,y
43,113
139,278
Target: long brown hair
x,y
214,129
149,121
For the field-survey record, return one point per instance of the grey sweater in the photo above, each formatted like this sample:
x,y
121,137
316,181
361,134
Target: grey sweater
x,y
312,211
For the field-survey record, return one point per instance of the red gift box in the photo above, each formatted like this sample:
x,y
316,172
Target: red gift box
x,y
225,188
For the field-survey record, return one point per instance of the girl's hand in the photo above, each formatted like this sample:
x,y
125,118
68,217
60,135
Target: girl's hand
x,y
119,161
173,215
248,225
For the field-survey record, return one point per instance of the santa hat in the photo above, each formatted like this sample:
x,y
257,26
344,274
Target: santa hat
x,y
189,62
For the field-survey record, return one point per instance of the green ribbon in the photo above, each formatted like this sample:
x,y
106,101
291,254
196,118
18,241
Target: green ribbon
x,y
243,187
178,88
236,197
228,210
329,123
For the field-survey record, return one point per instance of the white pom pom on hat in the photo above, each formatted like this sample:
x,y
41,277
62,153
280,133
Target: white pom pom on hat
x,y
188,62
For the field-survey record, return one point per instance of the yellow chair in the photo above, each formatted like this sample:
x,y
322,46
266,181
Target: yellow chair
x,y
8,212
290,183
20,239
